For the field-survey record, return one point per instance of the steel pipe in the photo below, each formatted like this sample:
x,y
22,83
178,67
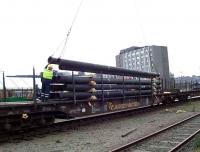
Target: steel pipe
x,y
86,87
107,94
86,80
89,67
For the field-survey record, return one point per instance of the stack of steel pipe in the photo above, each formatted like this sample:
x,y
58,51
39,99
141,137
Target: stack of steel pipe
x,y
81,87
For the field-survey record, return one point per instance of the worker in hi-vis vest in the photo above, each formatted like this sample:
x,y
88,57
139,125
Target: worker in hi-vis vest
x,y
47,77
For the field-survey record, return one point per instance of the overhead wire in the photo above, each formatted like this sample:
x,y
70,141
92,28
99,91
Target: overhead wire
x,y
140,22
70,29
56,50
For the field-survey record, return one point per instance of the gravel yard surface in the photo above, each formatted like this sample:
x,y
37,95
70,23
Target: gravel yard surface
x,y
105,135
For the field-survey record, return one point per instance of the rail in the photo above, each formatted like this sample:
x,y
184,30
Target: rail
x,y
150,142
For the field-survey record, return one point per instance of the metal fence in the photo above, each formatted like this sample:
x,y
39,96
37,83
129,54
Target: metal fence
x,y
181,85
16,94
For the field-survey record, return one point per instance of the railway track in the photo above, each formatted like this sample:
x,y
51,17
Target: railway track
x,y
60,126
169,139
63,125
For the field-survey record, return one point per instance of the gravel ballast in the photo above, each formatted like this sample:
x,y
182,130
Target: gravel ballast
x,y
104,136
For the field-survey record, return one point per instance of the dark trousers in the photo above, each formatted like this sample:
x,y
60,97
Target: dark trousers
x,y
45,89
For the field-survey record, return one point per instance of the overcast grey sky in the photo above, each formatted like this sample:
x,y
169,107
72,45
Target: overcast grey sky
x,y
31,30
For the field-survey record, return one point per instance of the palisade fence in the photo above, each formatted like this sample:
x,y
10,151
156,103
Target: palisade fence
x,y
12,95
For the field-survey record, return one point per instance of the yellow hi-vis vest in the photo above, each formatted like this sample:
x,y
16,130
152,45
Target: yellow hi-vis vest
x,y
47,74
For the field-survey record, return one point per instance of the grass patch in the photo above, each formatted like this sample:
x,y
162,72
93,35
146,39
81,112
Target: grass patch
x,y
197,144
15,99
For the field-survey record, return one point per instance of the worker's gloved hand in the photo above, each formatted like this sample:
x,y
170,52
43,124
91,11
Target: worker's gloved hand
x,y
55,73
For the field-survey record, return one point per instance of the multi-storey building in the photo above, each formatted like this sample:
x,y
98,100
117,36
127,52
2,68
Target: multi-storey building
x,y
148,58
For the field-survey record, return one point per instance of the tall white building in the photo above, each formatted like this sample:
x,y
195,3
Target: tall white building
x,y
148,58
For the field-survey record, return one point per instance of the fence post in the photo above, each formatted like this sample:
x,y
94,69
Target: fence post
x,y
4,87
34,89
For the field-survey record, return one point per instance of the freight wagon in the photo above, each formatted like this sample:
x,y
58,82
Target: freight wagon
x,y
74,96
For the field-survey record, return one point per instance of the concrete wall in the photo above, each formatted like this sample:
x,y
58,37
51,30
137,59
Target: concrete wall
x,y
160,60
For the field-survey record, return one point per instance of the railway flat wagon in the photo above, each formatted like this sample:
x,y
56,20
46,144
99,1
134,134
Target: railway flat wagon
x,y
108,90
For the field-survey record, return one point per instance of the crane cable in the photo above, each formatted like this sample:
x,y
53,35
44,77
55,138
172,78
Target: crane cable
x,y
69,31
138,15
